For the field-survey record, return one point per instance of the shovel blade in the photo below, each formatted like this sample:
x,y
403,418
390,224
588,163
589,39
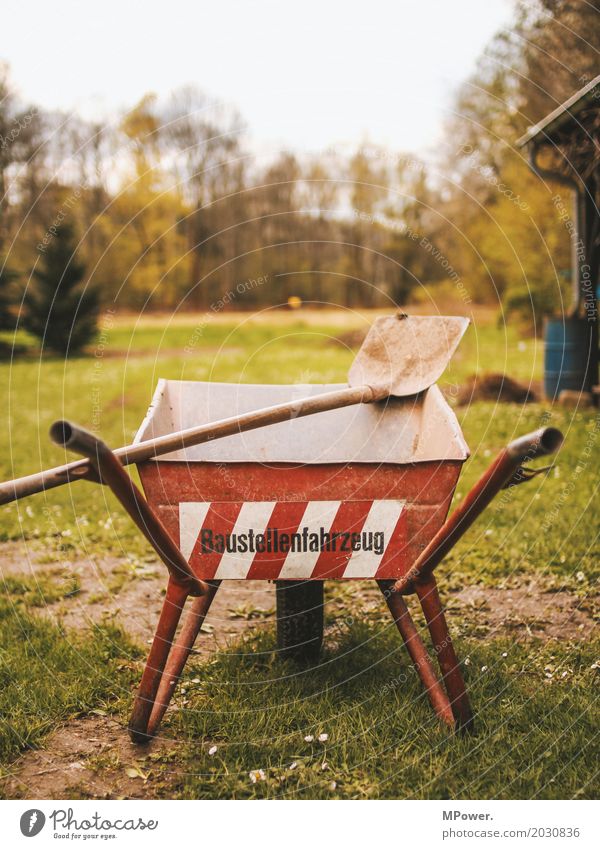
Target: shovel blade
x,y
403,355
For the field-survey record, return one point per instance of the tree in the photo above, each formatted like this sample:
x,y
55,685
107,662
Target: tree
x,y
58,308
201,140
512,245
7,320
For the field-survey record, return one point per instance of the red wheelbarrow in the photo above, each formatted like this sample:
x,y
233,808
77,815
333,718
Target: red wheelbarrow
x,y
359,493
354,493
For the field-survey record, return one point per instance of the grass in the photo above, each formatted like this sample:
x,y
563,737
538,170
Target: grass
x,y
47,675
383,741
536,732
41,589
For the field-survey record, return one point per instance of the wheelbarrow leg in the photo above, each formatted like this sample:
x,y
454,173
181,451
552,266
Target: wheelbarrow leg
x,y
428,595
418,652
161,645
179,655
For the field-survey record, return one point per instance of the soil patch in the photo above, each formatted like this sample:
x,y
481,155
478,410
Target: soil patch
x,y
92,758
113,590
527,611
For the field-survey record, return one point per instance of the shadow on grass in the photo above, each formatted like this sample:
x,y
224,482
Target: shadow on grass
x,y
536,736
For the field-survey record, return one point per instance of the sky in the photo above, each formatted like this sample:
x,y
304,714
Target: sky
x,y
305,75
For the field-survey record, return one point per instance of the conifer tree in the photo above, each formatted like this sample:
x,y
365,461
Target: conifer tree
x,y
59,309
7,320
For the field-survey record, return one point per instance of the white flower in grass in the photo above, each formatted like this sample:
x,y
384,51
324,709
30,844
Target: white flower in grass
x,y
580,577
212,751
293,765
309,738
333,785
467,661
257,775
484,669
323,738
324,765
504,654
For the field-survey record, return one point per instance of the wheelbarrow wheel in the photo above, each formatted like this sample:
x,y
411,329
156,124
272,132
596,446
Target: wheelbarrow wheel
x,y
299,619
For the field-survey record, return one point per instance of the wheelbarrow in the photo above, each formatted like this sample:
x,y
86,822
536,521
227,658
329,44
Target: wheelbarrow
x,y
360,491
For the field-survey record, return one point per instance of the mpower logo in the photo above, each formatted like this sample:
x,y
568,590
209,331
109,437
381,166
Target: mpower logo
x,y
32,822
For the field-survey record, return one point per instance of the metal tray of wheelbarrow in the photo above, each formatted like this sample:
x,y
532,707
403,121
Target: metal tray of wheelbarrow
x,y
355,493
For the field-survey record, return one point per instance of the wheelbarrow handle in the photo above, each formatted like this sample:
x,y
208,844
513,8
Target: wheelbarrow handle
x,y
109,470
540,443
502,472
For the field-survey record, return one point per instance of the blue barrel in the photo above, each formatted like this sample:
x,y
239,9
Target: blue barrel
x,y
567,355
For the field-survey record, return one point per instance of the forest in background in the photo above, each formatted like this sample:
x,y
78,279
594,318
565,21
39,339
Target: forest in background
x,y
168,207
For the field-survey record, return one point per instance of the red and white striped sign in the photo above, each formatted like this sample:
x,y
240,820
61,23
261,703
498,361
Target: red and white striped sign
x,y
294,540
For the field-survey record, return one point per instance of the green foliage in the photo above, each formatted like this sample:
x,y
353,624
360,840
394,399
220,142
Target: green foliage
x,y
508,237
188,215
83,516
40,589
59,309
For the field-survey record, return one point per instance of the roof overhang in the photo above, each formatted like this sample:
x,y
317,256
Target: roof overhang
x,y
568,111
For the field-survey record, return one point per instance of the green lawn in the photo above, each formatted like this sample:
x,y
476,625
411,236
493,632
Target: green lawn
x,y
47,676
383,741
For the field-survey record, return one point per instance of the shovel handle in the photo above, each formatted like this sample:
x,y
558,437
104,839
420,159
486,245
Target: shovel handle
x,y
48,479
150,448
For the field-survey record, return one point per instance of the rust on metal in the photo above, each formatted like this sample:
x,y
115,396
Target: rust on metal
x,y
406,354
444,650
177,659
418,653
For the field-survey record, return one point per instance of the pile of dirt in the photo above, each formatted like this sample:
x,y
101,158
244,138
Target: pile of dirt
x,y
495,387
350,339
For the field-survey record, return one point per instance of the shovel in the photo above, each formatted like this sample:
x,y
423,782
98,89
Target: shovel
x,y
400,356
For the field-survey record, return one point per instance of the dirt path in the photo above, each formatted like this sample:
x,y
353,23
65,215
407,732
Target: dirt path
x,y
527,611
111,589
